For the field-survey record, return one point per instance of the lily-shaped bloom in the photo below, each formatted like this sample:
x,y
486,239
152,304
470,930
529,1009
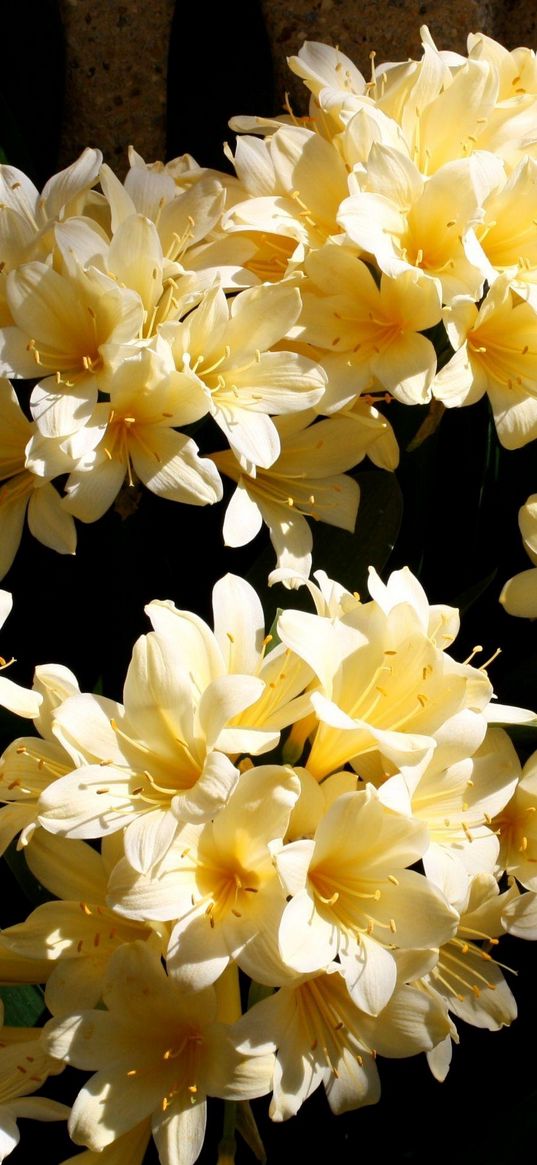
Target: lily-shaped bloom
x,y
12,696
133,437
470,779
516,825
25,1065
495,354
449,106
181,205
370,332
306,481
222,349
220,882
159,1052
23,491
507,236
151,761
386,684
29,763
160,758
26,216
519,595
75,935
466,977
408,222
353,896
296,180
240,646
62,321
320,1036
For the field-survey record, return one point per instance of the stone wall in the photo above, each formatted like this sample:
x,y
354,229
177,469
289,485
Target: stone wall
x,y
117,54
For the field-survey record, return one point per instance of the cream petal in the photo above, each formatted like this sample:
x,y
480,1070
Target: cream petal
x,y
90,493
89,802
74,984
260,316
243,518
83,725
369,971
411,1022
198,953
357,1083
129,1149
62,188
210,793
168,464
251,435
71,870
179,1132
307,941
112,1103
13,818
519,595
223,699
239,624
49,522
21,701
148,838
12,514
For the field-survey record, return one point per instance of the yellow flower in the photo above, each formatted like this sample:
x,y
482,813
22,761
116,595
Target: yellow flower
x,y
496,354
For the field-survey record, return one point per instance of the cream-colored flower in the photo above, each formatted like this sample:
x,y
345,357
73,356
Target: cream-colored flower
x,y
223,349
466,977
160,758
469,780
495,354
409,222
516,825
298,182
25,1064
13,696
76,933
133,437
353,896
386,684
163,1070
63,320
26,217
519,595
306,481
23,491
368,334
29,764
219,881
320,1036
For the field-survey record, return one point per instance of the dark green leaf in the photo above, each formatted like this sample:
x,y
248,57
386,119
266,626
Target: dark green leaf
x,y
23,1006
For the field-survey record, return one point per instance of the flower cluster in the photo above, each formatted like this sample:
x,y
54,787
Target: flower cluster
x,y
138,317
359,881
284,852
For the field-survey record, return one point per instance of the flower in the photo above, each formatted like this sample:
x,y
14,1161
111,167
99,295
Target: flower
x,y
24,491
519,594
159,1052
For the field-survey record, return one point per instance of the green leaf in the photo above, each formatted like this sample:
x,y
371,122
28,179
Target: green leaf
x,y
257,992
273,633
23,1005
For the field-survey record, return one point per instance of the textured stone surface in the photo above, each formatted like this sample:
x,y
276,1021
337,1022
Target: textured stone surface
x,y
117,56
389,28
115,77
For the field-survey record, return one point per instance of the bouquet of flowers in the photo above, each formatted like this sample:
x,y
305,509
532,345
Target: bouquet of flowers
x,y
291,848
